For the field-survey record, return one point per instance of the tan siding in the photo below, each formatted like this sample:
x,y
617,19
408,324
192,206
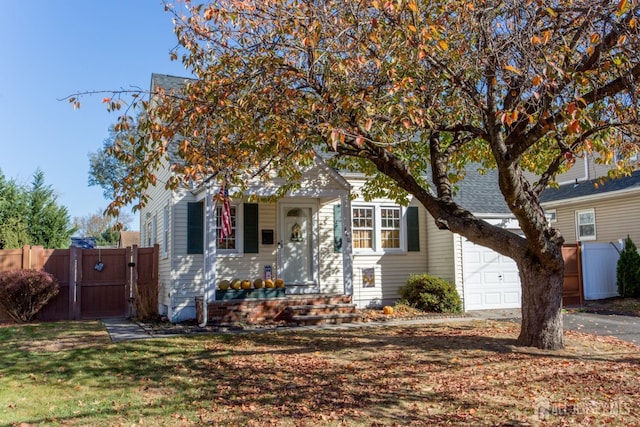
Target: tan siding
x,y
441,252
615,218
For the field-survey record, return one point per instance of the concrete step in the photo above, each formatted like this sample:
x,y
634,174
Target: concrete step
x,y
317,309
331,318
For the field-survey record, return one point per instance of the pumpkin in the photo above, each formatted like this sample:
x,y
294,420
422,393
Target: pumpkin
x,y
235,284
387,309
279,283
269,284
258,283
224,285
246,284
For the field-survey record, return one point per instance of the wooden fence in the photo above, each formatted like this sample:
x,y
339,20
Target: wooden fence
x,y
94,283
572,290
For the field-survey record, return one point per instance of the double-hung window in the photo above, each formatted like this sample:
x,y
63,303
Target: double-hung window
x,y
390,227
362,218
586,224
229,242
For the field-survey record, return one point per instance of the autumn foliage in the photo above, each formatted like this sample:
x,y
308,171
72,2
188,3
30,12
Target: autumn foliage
x,y
410,93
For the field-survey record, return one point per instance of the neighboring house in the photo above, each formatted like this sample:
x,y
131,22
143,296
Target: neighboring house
x,y
598,214
322,238
595,210
129,238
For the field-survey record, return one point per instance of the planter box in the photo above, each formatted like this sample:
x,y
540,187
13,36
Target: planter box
x,y
249,293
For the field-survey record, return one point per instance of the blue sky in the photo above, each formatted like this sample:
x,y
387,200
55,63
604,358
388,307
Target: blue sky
x,y
52,49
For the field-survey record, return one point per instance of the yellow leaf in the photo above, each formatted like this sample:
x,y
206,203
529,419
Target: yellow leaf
x,y
443,45
622,4
512,69
535,40
413,7
594,38
537,80
622,39
412,28
590,50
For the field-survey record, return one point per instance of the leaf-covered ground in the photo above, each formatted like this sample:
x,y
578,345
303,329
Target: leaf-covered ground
x,y
458,373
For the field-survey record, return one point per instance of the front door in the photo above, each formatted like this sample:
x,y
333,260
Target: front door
x,y
297,242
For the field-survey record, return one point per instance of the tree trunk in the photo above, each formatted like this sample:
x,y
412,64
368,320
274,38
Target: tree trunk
x,y
541,305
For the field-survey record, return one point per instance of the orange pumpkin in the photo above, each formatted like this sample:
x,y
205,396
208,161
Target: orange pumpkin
x,y
387,309
269,284
279,283
258,283
246,284
236,284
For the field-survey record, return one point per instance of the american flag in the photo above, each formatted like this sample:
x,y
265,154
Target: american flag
x,y
225,218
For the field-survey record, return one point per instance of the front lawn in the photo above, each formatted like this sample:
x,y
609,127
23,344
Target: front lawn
x,y
460,373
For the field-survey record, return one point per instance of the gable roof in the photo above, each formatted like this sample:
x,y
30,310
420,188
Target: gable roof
x,y
592,188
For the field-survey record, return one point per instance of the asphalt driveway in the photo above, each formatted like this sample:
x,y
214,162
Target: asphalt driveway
x,y
626,328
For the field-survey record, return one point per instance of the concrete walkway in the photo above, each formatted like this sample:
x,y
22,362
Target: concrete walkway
x,y
122,329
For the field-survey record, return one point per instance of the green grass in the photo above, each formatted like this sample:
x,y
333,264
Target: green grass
x,y
66,372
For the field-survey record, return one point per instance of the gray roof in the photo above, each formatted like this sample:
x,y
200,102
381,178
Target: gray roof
x,y
480,193
168,82
591,188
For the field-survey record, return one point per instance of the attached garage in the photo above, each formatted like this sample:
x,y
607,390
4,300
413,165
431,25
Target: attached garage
x,y
490,280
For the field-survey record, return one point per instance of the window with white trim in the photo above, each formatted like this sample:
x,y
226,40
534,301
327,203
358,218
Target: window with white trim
x,y
165,232
149,234
378,229
586,224
362,219
551,215
390,228
230,242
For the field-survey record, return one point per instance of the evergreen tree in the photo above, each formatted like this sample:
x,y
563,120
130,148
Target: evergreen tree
x,y
13,208
49,224
628,270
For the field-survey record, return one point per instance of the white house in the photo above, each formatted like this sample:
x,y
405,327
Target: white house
x,y
345,244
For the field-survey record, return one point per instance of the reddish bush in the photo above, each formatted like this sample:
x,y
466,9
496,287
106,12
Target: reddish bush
x,y
23,293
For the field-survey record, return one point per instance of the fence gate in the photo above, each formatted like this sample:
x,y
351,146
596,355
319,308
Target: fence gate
x,y
94,283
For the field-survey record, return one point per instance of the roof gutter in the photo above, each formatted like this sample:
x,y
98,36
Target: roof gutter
x,y
591,197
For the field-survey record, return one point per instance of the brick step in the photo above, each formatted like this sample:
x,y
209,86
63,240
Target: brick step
x,y
315,309
332,318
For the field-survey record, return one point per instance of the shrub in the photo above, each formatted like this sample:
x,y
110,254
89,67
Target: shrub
x,y
628,270
23,293
430,293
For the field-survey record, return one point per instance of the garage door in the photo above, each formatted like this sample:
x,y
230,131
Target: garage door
x,y
491,280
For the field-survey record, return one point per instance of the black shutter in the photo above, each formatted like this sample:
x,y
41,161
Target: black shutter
x,y
195,228
251,228
337,228
413,230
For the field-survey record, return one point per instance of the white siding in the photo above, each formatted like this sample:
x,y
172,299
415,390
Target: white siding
x,y
159,198
391,270
331,272
251,266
